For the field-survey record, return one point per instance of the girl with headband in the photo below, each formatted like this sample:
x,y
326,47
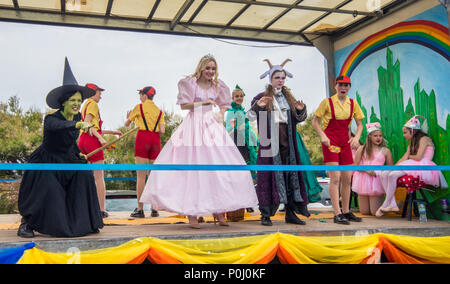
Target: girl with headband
x,y
367,183
420,152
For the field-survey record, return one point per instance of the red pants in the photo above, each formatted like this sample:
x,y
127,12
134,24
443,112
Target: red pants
x,y
88,144
148,145
337,132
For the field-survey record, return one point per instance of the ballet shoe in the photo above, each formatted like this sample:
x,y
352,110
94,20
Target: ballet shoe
x,y
379,213
193,222
221,221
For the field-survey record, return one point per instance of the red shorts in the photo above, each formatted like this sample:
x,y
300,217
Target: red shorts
x,y
88,144
345,157
148,145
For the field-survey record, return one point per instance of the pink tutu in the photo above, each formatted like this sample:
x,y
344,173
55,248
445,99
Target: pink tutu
x,y
365,184
434,178
200,139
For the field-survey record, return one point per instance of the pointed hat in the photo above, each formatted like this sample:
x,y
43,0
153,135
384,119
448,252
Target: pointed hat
x,y
70,86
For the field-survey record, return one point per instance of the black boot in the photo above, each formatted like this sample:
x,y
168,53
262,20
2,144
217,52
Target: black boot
x,y
25,231
155,213
292,218
265,221
138,213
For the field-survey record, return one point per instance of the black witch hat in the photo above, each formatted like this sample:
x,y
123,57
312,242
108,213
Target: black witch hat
x,y
70,86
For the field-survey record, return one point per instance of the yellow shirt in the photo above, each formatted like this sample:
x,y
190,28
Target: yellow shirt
x,y
151,113
91,107
342,112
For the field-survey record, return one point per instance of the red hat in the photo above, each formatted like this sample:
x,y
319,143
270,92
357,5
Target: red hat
x,y
94,87
343,79
149,91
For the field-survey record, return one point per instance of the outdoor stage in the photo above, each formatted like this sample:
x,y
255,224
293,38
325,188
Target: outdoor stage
x,y
119,228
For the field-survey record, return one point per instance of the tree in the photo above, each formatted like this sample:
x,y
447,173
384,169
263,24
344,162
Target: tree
x,y
311,140
20,133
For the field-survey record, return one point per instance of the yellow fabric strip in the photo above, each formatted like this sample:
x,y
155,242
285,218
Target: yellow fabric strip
x,y
116,255
251,249
243,250
344,249
436,249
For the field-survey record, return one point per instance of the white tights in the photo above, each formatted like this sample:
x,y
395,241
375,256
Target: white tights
x,y
389,182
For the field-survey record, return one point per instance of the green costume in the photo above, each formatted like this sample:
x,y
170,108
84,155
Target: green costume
x,y
312,185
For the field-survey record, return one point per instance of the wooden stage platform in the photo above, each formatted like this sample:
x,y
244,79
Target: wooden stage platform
x,y
119,228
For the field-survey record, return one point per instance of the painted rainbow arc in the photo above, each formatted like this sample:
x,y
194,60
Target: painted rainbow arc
x,y
426,33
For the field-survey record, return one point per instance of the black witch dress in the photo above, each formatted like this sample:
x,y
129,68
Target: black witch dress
x,y
60,203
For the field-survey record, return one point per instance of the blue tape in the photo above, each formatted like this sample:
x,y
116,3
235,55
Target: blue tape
x,y
167,167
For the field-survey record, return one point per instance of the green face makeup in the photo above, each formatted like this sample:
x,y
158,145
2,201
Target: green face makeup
x,y
72,106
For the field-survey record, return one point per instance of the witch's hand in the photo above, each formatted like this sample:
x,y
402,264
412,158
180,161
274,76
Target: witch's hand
x,y
83,125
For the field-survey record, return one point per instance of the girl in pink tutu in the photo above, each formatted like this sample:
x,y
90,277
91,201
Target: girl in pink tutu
x,y
420,152
201,139
367,183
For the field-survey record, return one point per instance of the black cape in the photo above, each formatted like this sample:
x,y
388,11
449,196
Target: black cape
x,y
278,187
60,203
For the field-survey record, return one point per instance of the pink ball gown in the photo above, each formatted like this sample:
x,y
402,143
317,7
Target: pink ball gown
x,y
200,139
365,184
434,178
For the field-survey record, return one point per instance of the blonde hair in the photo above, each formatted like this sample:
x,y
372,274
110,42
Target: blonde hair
x,y
367,150
201,66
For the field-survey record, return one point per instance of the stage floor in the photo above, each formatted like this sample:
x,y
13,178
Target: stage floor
x,y
119,228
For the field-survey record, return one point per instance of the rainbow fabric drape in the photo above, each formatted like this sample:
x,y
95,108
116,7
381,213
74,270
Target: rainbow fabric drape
x,y
260,249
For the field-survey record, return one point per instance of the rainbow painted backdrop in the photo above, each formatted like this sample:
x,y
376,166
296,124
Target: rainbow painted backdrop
x,y
426,33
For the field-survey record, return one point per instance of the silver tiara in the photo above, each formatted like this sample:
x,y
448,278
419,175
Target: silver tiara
x,y
208,56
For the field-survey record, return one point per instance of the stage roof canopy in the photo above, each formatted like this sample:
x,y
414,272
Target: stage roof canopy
x,y
281,21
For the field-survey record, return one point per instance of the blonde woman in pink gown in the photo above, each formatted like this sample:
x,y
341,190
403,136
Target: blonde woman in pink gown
x,y
201,139
420,152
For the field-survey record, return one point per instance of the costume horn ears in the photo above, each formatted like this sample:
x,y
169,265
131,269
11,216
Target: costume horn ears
x,y
268,62
273,68
286,61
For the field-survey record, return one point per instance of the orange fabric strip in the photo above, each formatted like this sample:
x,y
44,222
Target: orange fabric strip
x,y
157,257
395,255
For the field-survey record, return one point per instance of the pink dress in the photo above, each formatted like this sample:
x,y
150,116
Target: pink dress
x,y
434,178
200,139
365,184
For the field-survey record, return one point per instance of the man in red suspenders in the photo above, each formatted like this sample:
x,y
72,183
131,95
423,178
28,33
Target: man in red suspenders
x,y
92,140
332,121
150,120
